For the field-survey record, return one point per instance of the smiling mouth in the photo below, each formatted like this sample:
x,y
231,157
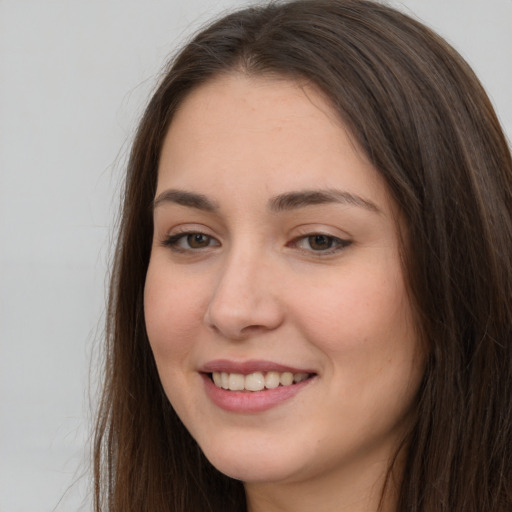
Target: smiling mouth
x,y
257,381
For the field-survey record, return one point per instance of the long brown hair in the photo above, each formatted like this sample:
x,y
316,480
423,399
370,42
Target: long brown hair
x,y
424,121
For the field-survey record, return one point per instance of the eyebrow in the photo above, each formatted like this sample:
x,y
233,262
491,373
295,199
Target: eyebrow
x,y
302,198
184,198
279,203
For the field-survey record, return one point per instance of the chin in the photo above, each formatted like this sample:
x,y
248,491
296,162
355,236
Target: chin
x,y
250,463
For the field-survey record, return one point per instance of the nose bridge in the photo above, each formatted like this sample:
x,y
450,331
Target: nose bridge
x,y
243,299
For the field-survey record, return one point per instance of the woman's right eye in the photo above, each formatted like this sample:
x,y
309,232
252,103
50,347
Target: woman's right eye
x,y
190,241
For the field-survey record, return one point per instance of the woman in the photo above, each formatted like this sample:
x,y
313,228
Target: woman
x,y
311,305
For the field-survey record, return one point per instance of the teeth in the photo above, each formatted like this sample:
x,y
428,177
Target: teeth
x,y
272,380
286,379
256,381
299,377
236,382
217,379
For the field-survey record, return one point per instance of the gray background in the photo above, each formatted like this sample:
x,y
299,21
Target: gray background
x,y
74,77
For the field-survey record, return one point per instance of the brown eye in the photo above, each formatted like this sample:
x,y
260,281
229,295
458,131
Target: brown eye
x,y
198,240
320,242
193,241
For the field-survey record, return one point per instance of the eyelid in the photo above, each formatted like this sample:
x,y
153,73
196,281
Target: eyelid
x,y
188,228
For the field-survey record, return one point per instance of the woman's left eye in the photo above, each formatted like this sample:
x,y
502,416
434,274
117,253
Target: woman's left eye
x,y
190,241
320,243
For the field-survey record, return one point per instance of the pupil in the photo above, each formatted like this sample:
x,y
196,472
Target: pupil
x,y
197,240
318,242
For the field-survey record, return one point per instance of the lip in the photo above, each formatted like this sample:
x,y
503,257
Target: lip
x,y
250,401
250,366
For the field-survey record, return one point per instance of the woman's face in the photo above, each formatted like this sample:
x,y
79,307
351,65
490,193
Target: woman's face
x,y
275,273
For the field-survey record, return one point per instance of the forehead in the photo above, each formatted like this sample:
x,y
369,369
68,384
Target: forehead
x,y
262,132
252,103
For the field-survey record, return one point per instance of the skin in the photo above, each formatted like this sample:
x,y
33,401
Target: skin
x,y
259,287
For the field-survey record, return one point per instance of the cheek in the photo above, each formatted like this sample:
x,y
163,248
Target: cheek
x,y
362,305
365,330
364,324
172,313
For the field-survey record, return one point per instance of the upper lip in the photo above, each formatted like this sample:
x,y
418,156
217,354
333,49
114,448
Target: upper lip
x,y
250,366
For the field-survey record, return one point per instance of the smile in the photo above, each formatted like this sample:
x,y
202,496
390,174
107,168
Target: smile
x,y
256,381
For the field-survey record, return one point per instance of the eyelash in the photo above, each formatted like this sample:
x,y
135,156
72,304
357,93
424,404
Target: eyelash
x,y
173,241
335,244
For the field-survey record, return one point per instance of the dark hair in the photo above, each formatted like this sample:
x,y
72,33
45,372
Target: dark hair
x,y
424,121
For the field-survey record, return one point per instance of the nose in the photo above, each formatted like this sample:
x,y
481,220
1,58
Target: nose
x,y
245,300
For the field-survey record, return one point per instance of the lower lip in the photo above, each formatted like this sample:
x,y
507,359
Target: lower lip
x,y
251,401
